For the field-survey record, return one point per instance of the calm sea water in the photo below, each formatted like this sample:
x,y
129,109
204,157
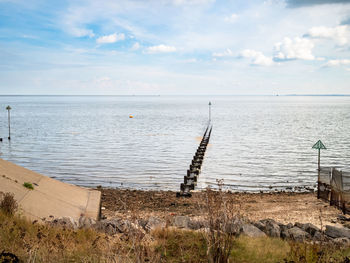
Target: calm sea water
x,y
256,143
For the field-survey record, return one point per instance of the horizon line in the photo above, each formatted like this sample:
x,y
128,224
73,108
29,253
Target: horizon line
x,y
158,95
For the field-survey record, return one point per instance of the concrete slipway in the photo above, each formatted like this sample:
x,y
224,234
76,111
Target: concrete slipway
x,y
49,197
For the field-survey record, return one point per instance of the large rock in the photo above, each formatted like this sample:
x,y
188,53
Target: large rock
x,y
182,221
297,234
251,231
308,227
235,225
154,223
270,227
113,226
335,232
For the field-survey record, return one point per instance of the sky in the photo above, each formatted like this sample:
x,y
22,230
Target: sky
x,y
174,47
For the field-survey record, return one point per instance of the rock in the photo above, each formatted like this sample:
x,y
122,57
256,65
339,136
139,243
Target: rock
x,y
298,234
318,236
308,227
251,231
234,227
343,218
116,225
67,222
154,223
289,225
341,241
336,232
269,227
196,224
85,222
311,229
181,221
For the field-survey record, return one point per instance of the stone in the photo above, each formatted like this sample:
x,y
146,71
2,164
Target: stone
x,y
234,227
251,231
318,236
311,229
308,227
196,224
154,223
270,227
67,222
85,222
341,241
181,221
343,218
298,234
336,232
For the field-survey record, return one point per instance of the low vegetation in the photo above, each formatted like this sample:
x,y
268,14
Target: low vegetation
x,y
28,185
34,242
8,204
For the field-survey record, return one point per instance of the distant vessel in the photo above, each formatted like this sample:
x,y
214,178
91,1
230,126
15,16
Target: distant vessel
x,y
130,116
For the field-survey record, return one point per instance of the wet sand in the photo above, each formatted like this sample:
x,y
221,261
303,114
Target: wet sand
x,y
283,207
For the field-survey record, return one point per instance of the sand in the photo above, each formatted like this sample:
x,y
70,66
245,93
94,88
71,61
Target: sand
x,y
282,207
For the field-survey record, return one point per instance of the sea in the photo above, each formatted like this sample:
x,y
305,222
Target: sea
x,y
258,143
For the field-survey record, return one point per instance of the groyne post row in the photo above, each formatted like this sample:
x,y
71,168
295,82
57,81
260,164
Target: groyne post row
x,y
190,180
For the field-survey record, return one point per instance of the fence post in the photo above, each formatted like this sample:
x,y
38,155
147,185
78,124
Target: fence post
x,y
318,184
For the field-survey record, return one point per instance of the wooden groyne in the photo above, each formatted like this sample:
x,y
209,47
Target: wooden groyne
x,y
190,180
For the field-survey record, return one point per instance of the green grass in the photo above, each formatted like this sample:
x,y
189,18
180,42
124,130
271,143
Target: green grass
x,y
28,185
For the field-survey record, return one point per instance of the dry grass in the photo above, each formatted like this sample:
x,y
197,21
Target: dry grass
x,y
42,243
8,204
33,242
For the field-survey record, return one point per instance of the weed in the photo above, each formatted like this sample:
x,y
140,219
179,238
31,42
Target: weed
x,y
8,204
28,185
221,230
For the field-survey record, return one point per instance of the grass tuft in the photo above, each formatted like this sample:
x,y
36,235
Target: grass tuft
x,y
28,185
8,204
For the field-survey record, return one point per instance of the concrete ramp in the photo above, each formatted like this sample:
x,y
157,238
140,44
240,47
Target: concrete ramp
x,y
49,197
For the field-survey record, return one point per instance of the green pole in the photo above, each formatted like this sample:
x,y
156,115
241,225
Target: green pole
x,y
8,108
319,174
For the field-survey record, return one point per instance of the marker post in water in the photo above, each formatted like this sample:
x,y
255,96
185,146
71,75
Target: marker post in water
x,y
319,145
8,108
209,111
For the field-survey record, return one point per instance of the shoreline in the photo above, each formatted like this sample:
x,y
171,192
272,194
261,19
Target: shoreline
x,y
284,207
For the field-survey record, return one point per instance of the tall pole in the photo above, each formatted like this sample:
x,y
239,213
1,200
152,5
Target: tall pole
x,y
319,159
8,108
209,111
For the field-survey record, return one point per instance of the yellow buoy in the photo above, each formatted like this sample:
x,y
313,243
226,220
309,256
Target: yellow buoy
x,y
130,116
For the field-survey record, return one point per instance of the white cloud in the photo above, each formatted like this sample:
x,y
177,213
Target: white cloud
x,y
337,62
136,46
340,34
81,32
257,57
191,2
226,53
110,38
160,49
232,18
297,48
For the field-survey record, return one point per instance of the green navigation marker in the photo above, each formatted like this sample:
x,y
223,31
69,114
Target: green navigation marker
x,y
319,145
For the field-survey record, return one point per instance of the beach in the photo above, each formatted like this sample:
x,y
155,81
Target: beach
x,y
283,207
